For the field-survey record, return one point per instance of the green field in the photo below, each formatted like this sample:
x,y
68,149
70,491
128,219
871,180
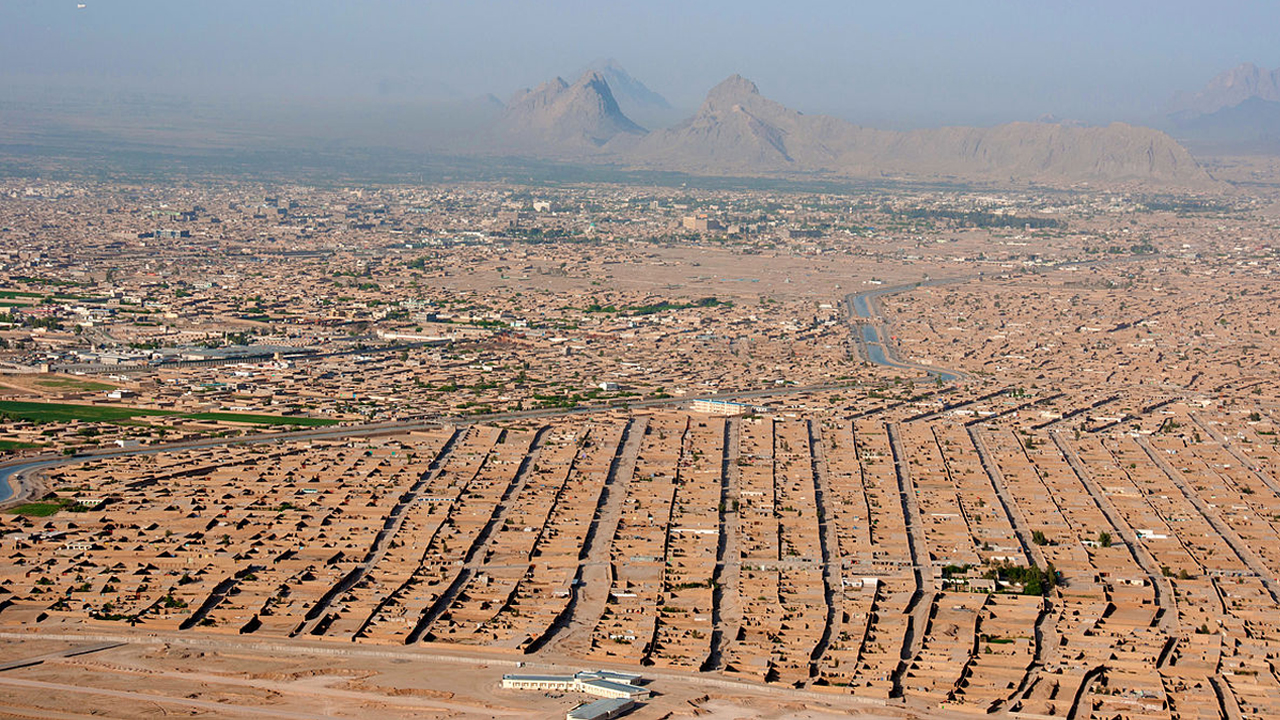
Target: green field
x,y
50,505
11,445
61,412
37,509
262,419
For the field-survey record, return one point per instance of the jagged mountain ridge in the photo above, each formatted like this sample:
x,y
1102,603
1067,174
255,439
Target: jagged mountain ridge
x,y
1237,113
580,118
739,131
637,101
1229,89
630,93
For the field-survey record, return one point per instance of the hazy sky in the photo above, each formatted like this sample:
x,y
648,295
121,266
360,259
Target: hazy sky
x,y
886,62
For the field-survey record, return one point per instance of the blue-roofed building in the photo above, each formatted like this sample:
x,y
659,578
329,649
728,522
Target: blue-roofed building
x,y
605,709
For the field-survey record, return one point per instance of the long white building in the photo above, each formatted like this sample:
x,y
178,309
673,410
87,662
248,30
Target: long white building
x,y
601,683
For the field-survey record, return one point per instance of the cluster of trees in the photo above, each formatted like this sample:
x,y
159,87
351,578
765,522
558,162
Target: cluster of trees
x,y
654,308
1142,248
537,235
979,218
1034,579
31,321
1185,205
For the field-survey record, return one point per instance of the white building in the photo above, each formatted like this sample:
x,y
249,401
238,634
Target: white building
x,y
720,407
601,683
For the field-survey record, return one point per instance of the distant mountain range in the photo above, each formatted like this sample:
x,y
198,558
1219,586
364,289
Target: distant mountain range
x,y
580,118
636,101
611,120
1243,82
1237,112
739,131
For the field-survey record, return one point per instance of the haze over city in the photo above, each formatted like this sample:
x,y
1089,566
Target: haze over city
x,y
893,64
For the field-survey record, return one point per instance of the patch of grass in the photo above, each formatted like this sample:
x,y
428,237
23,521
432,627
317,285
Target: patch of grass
x,y
262,419
11,445
38,509
65,412
62,412
50,504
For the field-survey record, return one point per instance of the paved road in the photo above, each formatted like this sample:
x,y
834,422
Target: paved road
x,y
74,651
14,474
14,485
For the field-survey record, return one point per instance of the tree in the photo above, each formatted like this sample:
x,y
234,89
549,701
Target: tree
x,y
1038,538
1104,539
1033,579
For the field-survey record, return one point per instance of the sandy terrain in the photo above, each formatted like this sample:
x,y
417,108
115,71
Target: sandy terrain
x,y
211,677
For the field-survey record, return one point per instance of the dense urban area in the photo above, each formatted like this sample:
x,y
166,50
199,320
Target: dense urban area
x,y
898,451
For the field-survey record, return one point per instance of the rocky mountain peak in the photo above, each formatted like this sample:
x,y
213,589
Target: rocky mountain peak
x,y
1243,82
731,90
635,99
739,131
582,116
